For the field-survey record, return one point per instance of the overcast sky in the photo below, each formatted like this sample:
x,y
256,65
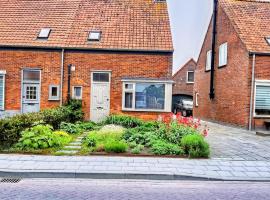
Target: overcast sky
x,y
189,22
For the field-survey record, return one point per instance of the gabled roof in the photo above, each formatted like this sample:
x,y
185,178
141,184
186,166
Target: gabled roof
x,y
188,63
124,24
251,20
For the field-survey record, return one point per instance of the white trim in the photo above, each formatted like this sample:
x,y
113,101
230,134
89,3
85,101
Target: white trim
x,y
223,55
147,81
263,83
73,92
187,76
196,99
56,98
208,60
4,90
167,97
3,72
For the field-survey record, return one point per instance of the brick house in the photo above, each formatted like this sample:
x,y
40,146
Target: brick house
x,y
184,79
241,70
118,55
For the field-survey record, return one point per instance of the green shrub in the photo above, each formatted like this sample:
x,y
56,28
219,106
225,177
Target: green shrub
x,y
161,147
115,146
74,107
90,141
137,149
195,146
55,116
41,137
86,126
124,120
70,128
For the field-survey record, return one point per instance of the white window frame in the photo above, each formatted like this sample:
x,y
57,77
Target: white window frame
x,y
190,71
54,98
196,99
167,98
3,73
263,83
73,92
208,60
223,55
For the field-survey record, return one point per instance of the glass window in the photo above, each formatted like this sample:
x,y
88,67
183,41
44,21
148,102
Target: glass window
x,y
101,77
190,77
94,36
128,99
2,92
44,33
262,101
223,54
77,92
150,96
31,93
31,75
54,92
208,60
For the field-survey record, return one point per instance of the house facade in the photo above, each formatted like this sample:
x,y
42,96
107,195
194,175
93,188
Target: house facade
x,y
241,70
184,79
101,52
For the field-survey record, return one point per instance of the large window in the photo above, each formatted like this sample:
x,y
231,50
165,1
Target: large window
x,y
262,99
2,91
144,96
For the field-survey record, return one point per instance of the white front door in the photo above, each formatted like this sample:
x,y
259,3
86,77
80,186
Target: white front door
x,y
100,96
30,98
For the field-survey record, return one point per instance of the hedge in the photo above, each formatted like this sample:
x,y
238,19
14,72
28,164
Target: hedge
x,y
11,128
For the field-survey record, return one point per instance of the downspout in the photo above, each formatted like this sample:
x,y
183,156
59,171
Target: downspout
x,y
212,88
69,81
252,92
62,77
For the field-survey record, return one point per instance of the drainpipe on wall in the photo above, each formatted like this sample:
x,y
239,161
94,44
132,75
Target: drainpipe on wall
x,y
69,80
252,93
62,77
212,88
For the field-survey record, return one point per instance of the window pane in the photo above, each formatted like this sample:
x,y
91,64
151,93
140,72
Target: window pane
x,y
101,77
31,75
54,92
262,100
128,100
129,86
1,92
150,96
78,91
190,76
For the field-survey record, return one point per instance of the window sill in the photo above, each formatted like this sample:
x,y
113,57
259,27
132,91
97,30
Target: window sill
x,y
261,116
144,110
189,82
208,70
222,66
53,99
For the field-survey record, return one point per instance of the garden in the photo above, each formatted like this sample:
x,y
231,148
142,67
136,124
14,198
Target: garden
x,y
51,130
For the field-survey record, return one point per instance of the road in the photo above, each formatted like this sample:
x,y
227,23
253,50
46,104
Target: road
x,y
69,189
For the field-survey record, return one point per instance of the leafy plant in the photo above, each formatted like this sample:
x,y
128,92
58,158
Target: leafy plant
x,y
115,146
41,137
137,149
124,120
161,147
195,146
70,128
86,126
90,141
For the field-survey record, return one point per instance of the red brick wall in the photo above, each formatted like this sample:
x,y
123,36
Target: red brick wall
x,y
180,78
232,82
262,72
121,64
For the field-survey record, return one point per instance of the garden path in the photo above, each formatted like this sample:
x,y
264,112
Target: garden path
x,y
72,148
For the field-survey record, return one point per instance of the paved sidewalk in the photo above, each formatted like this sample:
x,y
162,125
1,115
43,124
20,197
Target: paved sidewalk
x,y
139,168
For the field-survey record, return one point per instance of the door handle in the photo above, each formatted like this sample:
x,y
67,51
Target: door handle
x,y
99,108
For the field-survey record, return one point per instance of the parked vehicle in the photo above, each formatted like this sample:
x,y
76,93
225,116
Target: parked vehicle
x,y
184,106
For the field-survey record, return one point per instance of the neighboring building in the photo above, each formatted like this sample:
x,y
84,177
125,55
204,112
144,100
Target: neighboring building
x,y
184,79
119,54
241,67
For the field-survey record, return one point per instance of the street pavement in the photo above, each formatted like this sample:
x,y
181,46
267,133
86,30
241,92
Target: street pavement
x,y
69,189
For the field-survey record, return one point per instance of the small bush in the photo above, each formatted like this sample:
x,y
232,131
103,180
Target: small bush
x,y
41,137
195,146
137,149
124,120
70,128
115,146
90,141
86,126
161,147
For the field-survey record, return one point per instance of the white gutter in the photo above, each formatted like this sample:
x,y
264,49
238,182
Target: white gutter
x,y
252,93
62,77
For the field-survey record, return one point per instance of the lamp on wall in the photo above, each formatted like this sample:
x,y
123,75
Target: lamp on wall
x,y
71,68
